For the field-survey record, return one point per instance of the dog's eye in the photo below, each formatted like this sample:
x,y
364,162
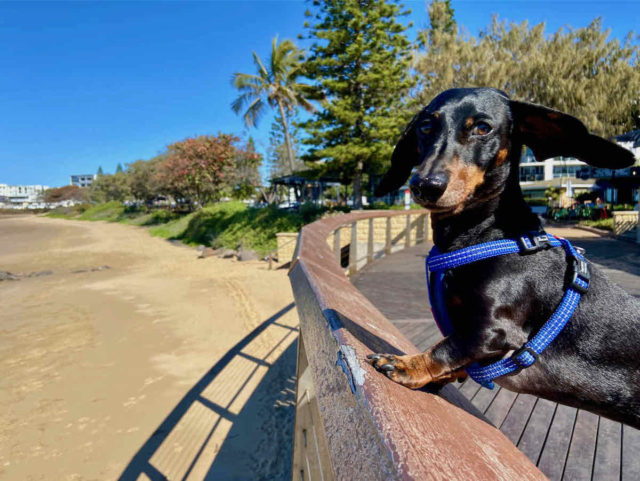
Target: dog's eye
x,y
482,128
426,127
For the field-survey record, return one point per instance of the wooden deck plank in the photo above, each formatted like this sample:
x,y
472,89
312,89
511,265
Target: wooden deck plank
x,y
416,332
500,406
606,466
434,337
483,398
409,329
535,432
422,335
582,449
469,388
554,452
630,457
516,420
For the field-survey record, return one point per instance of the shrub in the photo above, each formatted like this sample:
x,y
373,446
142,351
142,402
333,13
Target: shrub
x,y
623,207
536,201
70,212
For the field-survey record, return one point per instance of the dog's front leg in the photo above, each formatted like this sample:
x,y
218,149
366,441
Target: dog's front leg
x,y
438,364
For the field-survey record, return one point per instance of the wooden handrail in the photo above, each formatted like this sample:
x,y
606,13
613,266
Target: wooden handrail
x,y
352,422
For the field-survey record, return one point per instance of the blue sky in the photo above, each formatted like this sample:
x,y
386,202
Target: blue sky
x,y
88,84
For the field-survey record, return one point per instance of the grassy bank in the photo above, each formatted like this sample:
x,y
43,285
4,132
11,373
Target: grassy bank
x,y
605,224
232,224
228,224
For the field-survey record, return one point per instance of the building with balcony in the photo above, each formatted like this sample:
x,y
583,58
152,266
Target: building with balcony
x,y
573,176
21,196
83,180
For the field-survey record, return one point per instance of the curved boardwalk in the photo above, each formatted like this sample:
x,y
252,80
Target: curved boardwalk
x,y
566,443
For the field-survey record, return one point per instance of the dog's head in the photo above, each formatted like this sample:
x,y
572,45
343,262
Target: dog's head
x,y
465,143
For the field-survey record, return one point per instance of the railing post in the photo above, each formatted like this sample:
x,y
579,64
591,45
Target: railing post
x,y
407,238
387,238
370,242
337,251
311,458
420,232
353,249
427,226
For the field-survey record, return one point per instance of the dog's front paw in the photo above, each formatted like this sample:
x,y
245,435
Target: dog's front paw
x,y
410,371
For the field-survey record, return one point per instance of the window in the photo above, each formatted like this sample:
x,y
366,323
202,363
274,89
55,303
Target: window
x,y
531,173
566,170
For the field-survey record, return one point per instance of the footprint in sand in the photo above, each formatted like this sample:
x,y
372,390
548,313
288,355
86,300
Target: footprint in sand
x,y
133,400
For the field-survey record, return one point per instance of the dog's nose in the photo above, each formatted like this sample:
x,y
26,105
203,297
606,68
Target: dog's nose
x,y
428,188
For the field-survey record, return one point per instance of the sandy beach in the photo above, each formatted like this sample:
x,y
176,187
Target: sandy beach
x,y
133,359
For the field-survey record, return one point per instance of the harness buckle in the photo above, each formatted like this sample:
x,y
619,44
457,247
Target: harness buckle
x,y
520,352
537,243
579,270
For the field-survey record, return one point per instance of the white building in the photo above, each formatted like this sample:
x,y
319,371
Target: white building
x,y
21,196
83,180
558,172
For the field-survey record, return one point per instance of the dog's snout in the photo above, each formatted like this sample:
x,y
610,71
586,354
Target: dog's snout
x,y
428,188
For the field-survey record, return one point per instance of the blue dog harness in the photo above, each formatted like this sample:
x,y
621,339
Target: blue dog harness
x,y
437,264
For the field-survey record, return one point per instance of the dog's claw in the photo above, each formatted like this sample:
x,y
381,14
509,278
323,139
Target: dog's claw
x,y
373,357
387,368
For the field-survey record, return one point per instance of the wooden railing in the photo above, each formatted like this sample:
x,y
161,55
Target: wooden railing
x,y
352,422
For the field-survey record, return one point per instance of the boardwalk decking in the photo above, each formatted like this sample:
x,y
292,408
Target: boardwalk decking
x,y
566,443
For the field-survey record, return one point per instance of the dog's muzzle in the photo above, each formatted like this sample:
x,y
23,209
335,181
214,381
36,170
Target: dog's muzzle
x,y
428,189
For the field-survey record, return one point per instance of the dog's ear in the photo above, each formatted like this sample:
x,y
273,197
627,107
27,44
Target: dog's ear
x,y
404,158
550,133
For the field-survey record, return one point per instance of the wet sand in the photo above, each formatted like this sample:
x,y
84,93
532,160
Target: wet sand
x,y
94,359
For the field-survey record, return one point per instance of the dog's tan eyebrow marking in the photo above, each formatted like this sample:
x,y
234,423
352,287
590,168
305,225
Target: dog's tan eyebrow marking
x,y
502,156
436,115
468,122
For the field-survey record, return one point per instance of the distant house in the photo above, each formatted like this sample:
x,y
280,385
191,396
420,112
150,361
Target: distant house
x,y
83,180
21,196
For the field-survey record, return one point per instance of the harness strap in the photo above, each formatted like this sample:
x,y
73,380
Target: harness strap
x,y
438,264
525,244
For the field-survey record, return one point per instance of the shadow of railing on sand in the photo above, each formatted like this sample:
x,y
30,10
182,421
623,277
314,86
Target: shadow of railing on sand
x,y
259,446
182,444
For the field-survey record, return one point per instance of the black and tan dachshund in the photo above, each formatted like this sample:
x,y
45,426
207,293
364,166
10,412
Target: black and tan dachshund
x,y
465,147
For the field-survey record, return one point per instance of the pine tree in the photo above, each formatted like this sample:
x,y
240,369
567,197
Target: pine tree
x,y
119,168
246,174
278,153
100,172
360,57
441,21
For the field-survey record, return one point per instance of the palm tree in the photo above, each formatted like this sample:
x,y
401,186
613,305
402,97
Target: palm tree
x,y
276,86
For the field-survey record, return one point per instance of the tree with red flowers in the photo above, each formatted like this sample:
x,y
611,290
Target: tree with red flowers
x,y
68,192
196,169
